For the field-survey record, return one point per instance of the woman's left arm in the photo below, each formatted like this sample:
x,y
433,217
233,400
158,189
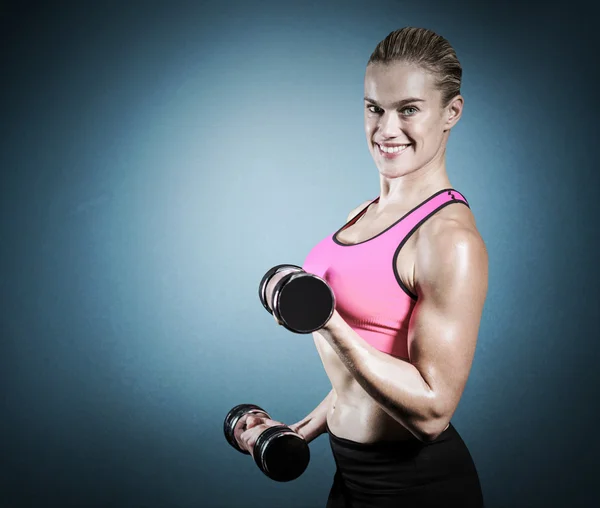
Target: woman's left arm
x,y
451,276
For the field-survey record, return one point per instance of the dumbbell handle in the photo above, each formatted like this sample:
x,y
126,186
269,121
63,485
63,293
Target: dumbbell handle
x,y
233,441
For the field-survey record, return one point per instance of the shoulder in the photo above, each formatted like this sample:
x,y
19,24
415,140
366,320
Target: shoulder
x,y
357,210
450,252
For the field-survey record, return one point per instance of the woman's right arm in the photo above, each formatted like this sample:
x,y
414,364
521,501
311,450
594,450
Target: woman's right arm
x,y
314,424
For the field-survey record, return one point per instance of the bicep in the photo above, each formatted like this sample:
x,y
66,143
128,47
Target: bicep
x,y
443,329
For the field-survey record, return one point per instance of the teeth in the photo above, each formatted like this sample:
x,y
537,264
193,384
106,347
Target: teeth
x,y
392,149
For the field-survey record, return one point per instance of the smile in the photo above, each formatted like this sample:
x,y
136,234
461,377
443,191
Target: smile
x,y
391,151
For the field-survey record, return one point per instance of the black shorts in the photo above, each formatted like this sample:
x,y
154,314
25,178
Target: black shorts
x,y
404,474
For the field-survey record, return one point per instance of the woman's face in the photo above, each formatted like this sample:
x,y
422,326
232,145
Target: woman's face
x,y
404,119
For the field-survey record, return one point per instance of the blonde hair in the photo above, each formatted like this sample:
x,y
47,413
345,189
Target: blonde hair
x,y
427,49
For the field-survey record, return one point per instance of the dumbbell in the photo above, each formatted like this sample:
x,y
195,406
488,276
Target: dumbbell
x,y
302,302
279,452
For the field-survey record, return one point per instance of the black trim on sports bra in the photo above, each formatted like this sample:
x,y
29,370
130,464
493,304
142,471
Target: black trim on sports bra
x,y
355,219
363,211
409,234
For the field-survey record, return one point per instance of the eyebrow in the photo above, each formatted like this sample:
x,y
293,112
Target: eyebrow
x,y
397,103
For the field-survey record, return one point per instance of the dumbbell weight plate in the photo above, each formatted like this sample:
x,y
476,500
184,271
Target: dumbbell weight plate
x,y
303,302
281,454
233,418
262,287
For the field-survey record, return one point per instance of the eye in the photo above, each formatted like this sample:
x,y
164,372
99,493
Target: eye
x,y
409,110
374,109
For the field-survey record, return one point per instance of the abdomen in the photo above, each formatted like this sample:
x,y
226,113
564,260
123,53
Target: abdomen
x,y
353,413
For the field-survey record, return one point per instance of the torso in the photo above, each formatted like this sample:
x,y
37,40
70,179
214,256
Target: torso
x,y
353,414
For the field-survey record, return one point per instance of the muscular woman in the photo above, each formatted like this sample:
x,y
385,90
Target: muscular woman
x,y
409,271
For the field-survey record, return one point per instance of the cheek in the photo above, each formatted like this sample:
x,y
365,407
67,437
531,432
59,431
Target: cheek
x,y
369,127
424,132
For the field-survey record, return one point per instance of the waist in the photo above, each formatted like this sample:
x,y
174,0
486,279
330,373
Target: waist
x,y
355,417
392,445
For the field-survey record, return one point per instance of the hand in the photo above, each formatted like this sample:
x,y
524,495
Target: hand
x,y
250,427
296,428
271,286
273,282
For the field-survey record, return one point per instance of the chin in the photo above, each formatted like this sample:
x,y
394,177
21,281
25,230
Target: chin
x,y
394,169
393,173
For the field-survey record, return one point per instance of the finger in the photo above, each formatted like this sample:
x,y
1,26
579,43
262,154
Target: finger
x,y
248,434
249,437
253,420
273,282
271,423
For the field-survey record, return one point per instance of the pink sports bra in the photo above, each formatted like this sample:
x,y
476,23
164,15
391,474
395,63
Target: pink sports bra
x,y
369,294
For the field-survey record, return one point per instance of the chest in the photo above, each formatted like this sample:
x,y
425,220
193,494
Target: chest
x,y
367,229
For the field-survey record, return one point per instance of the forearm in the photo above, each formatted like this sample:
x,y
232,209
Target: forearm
x,y
314,424
396,385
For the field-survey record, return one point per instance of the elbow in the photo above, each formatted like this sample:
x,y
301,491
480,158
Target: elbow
x,y
432,433
428,424
434,421
430,430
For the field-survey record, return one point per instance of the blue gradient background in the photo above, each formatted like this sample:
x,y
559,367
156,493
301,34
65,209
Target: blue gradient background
x,y
158,158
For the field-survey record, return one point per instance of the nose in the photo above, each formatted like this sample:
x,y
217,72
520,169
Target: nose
x,y
389,125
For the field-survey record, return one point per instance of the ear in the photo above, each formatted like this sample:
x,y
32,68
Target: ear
x,y
454,111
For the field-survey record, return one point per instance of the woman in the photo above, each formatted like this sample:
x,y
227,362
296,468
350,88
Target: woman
x,y
409,271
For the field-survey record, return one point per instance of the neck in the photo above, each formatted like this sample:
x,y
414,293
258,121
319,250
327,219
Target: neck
x,y
411,189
